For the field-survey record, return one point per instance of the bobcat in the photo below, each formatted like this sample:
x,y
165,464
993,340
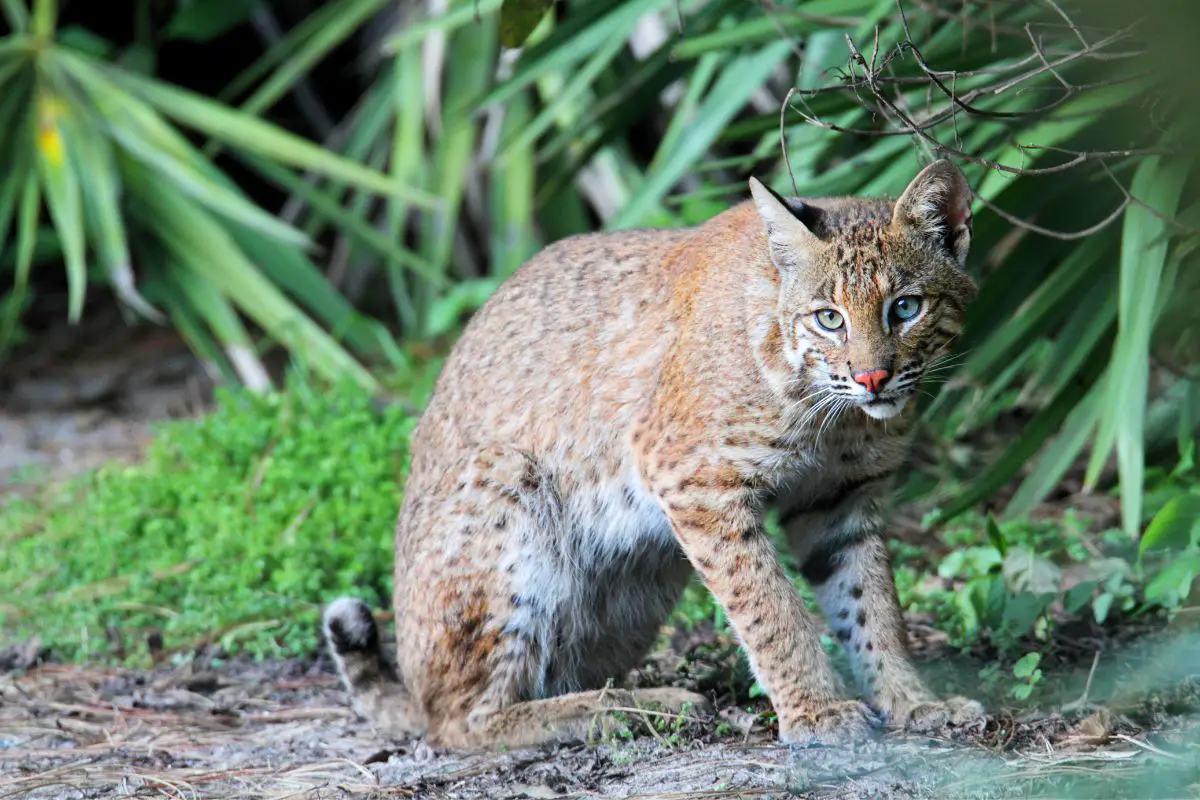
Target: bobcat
x,y
620,413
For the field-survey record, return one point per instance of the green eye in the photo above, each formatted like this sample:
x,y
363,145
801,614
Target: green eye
x,y
905,308
829,319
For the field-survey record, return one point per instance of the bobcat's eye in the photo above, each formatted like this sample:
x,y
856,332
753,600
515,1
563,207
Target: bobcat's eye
x,y
829,319
905,308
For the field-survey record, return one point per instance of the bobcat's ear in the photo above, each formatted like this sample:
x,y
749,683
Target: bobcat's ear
x,y
791,226
937,205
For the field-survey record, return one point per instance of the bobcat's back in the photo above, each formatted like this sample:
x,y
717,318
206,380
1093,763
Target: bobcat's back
x,y
569,343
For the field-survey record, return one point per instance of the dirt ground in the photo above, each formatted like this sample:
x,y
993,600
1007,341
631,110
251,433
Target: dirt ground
x,y
283,730
89,394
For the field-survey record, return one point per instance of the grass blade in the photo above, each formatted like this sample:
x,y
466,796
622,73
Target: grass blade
x,y
217,312
1060,455
97,174
343,19
451,20
354,226
512,193
198,241
765,30
17,15
147,138
453,158
580,34
45,18
249,133
1035,434
1144,247
62,192
738,81
300,278
26,239
407,165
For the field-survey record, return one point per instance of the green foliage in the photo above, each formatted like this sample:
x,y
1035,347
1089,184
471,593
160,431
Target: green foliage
x,y
1027,674
461,159
233,531
1173,536
518,18
90,138
998,588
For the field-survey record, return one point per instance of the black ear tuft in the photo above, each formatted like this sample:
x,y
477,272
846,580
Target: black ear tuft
x,y
937,205
807,215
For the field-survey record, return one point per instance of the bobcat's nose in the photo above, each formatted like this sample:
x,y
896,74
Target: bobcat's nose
x,y
871,379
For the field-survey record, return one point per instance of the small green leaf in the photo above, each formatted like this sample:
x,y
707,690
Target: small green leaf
x,y
1175,526
205,20
1101,607
1078,596
1026,665
1026,571
1022,610
518,18
996,536
1174,582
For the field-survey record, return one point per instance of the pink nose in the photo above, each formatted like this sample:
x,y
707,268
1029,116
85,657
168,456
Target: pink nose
x,y
871,379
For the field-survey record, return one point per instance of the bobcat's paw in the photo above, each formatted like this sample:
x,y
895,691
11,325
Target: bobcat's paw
x,y
840,722
937,714
673,701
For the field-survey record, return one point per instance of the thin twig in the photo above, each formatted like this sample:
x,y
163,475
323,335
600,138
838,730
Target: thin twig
x,y
787,162
1065,236
1087,688
1146,746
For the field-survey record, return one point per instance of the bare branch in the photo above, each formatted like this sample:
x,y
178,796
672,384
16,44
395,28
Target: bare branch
x,y
892,99
1174,223
783,142
1064,236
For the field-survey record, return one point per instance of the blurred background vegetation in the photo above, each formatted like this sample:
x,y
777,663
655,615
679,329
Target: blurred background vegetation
x,y
345,181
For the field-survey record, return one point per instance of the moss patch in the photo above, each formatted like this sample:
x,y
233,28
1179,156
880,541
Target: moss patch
x,y
233,530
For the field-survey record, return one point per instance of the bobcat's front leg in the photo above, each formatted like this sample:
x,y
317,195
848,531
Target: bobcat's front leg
x,y
719,524
846,563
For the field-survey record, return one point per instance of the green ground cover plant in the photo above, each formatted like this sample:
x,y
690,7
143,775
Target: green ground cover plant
x,y
232,531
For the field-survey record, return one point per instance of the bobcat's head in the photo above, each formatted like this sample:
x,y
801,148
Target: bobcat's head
x,y
871,291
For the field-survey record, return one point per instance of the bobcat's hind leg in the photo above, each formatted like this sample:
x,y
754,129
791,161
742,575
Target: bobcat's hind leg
x,y
576,717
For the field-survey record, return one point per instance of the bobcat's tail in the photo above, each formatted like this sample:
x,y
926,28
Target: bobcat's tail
x,y
376,691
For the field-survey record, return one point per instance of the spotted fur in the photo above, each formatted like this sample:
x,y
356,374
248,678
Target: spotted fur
x,y
622,412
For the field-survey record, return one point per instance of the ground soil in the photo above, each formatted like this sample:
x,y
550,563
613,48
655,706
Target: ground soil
x,y
283,729
89,394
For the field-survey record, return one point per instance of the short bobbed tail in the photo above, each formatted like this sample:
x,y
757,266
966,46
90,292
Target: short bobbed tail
x,y
376,691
